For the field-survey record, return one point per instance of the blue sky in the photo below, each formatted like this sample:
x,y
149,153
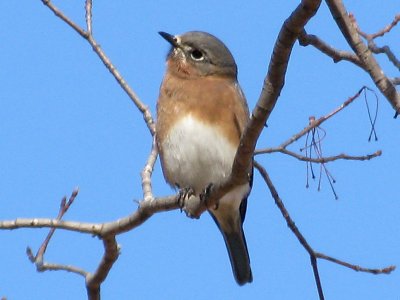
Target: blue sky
x,y
64,122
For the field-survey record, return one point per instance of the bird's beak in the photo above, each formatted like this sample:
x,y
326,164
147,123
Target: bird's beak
x,y
170,39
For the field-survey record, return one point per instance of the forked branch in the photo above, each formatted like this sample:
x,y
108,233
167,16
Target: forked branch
x,y
314,256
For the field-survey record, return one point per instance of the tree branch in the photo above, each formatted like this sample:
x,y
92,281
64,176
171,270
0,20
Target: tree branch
x,y
148,171
381,32
371,39
306,39
110,256
303,241
386,270
146,209
273,84
320,160
344,23
314,124
87,35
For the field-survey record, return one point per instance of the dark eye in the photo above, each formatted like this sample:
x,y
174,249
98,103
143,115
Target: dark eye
x,y
196,55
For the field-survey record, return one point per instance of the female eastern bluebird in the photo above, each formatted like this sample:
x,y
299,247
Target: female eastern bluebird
x,y
202,112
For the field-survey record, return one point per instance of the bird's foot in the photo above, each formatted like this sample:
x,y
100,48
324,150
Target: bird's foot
x,y
205,195
184,195
189,202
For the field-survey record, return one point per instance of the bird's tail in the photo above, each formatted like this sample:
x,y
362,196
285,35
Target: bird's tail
x,y
239,256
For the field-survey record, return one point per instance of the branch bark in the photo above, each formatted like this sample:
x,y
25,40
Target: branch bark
x,y
350,33
337,55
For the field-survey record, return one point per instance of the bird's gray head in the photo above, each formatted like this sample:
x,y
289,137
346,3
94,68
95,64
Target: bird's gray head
x,y
200,52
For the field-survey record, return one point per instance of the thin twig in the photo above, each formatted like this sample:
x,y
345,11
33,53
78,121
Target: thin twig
x,y
381,32
306,39
317,279
147,172
87,35
58,267
371,39
38,259
290,223
386,270
63,17
317,122
64,206
372,67
313,254
320,160
88,9
385,50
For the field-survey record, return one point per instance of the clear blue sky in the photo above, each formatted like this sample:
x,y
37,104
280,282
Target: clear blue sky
x,y
64,122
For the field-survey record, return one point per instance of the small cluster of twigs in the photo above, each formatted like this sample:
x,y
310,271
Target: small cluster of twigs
x,y
362,55
317,134
370,38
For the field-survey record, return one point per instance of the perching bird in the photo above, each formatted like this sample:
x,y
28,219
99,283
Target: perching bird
x,y
201,115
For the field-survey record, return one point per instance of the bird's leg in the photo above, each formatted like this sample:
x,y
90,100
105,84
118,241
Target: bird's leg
x,y
206,193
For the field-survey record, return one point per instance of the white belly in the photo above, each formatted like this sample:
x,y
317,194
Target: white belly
x,y
197,154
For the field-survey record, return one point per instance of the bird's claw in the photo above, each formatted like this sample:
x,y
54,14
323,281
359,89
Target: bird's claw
x,y
187,201
205,195
184,194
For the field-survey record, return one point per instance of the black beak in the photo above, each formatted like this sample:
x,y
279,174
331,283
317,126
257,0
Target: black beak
x,y
169,38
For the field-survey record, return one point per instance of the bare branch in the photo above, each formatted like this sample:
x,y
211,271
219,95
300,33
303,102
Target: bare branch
x,y
381,32
64,206
87,35
147,171
386,50
386,270
94,281
88,8
273,84
290,223
313,124
38,259
59,267
91,228
316,123
314,265
146,209
342,19
105,231
313,254
371,40
306,39
63,17
320,160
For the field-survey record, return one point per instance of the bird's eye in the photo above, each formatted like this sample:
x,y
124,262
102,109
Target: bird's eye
x,y
196,55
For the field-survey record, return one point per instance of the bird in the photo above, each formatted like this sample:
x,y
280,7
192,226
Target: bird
x,y
201,115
